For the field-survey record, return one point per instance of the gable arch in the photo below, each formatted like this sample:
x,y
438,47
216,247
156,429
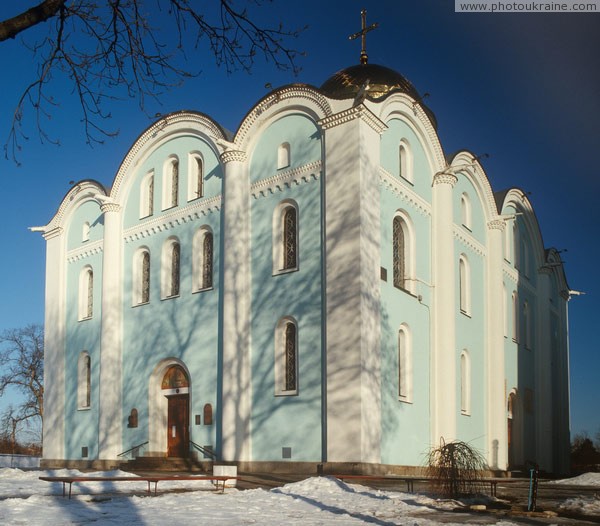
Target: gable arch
x,y
298,99
79,194
401,106
169,127
465,164
517,199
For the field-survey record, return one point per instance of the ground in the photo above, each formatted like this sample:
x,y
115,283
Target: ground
x,y
24,499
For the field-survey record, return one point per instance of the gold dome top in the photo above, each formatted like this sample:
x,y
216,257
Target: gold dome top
x,y
346,83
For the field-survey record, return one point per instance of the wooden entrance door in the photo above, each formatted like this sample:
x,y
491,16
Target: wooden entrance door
x,y
178,425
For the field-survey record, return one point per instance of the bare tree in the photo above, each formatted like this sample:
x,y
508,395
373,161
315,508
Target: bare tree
x,y
116,49
22,359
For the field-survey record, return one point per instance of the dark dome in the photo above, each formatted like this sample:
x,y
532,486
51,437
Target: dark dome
x,y
346,83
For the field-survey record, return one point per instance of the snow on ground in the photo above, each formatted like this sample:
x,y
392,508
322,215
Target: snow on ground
x,y
586,479
324,501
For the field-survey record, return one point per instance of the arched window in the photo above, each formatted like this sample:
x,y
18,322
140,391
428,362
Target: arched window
x,y
285,237
399,253
404,365
465,211
465,383
403,253
405,161
171,259
283,155
86,293
464,276
202,265
85,232
84,381
147,195
195,176
286,357
141,277
515,316
171,183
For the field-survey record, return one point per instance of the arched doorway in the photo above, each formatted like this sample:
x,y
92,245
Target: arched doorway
x,y
175,387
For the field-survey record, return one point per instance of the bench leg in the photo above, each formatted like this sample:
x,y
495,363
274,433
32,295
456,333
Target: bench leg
x,y
70,486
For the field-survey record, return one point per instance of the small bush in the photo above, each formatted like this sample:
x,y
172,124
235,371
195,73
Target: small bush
x,y
456,469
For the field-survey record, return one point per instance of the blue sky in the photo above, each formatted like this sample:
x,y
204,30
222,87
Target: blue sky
x,y
523,88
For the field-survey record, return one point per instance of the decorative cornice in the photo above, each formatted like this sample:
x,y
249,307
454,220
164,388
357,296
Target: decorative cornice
x,y
110,207
510,271
404,192
356,112
295,176
444,178
86,251
178,216
233,155
55,232
469,241
497,224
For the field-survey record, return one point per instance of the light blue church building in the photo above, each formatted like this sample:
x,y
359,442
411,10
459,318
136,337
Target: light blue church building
x,y
323,286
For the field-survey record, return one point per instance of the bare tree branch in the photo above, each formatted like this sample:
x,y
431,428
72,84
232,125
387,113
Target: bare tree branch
x,y
120,49
22,359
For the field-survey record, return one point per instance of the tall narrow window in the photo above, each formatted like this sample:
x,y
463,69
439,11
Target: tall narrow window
x,y
170,268
289,238
290,357
202,259
404,365
465,211
170,183
86,293
141,277
84,381
147,195
195,176
399,253
283,155
515,316
285,237
465,383
464,276
207,261
405,161
286,357
175,261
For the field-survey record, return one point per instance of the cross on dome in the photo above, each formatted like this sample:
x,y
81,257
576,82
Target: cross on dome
x,y
363,36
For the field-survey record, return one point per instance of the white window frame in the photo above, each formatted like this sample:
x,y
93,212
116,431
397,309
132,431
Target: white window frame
x,y
283,156
464,284
138,276
409,251
466,211
280,351
166,268
405,364
147,195
198,259
85,290
195,176
465,383
84,387
278,229
405,161
168,189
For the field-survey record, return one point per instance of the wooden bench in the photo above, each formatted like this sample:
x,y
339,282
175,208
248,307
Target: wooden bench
x,y
215,479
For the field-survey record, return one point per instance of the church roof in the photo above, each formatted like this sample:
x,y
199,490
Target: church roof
x,y
346,83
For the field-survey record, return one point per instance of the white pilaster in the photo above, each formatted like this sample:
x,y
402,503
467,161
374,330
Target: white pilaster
x,y
237,388
110,417
497,432
352,261
542,349
54,347
443,363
